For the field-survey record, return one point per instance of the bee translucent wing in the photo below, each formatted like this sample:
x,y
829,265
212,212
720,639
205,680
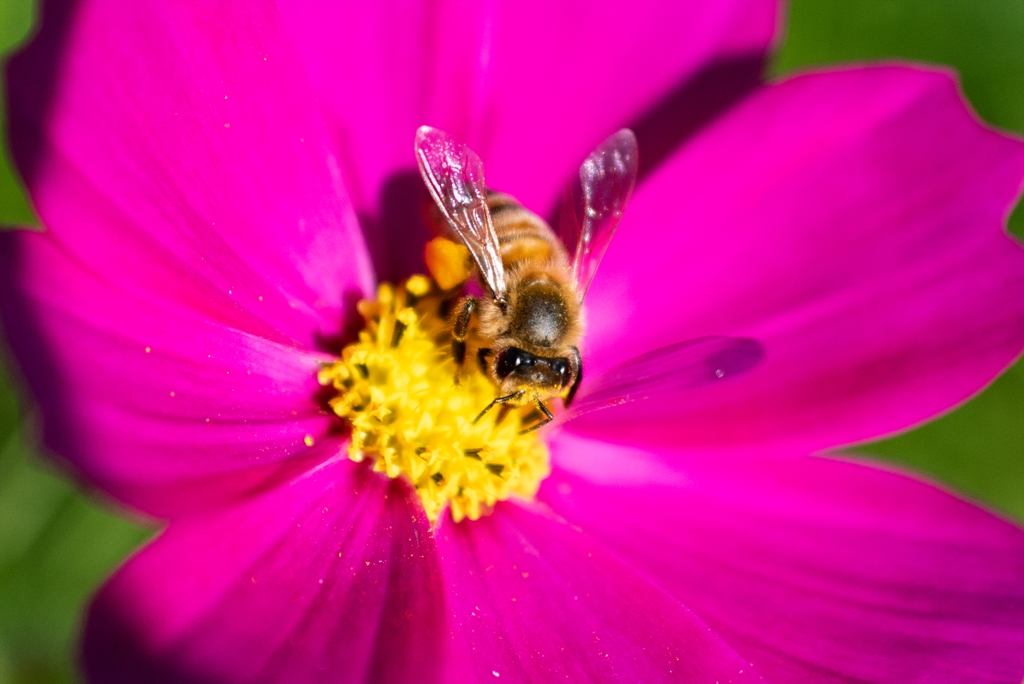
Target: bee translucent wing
x,y
595,204
455,178
657,381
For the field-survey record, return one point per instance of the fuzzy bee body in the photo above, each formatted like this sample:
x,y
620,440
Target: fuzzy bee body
x,y
524,237
543,308
528,329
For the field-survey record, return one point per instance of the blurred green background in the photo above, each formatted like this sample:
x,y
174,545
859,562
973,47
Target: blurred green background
x,y
57,544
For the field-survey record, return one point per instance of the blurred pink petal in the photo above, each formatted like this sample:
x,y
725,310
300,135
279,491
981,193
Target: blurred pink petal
x,y
335,577
534,600
815,569
171,148
530,87
840,234
332,577
850,221
166,409
661,376
231,253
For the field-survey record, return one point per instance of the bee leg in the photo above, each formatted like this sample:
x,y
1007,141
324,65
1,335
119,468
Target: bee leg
x,y
502,413
459,330
482,355
544,421
577,366
496,402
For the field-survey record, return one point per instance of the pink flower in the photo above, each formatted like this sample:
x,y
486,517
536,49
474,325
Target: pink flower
x,y
208,175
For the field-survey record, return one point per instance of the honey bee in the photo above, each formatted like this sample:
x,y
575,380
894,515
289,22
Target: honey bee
x,y
529,323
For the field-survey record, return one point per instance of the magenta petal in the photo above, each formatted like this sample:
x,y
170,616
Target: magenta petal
x,y
172,148
816,570
531,87
330,578
851,222
163,408
533,600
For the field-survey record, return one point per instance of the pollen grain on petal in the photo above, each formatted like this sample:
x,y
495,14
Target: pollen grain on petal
x,y
396,388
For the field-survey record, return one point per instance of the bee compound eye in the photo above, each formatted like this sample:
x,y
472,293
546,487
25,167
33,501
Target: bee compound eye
x,y
508,361
561,366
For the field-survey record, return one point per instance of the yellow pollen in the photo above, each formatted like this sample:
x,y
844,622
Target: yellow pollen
x,y
396,388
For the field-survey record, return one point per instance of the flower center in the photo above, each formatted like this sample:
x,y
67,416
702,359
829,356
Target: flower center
x,y
396,387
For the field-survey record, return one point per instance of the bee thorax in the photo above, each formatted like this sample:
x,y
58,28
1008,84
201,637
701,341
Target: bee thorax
x,y
540,316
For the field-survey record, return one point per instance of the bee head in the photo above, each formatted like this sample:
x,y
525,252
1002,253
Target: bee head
x,y
517,368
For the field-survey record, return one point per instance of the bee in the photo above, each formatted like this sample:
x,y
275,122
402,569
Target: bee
x,y
529,321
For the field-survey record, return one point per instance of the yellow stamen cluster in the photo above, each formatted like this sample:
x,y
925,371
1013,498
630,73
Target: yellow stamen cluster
x,y
396,387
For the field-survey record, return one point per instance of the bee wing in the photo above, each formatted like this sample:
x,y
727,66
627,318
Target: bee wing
x,y
455,178
660,377
595,202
